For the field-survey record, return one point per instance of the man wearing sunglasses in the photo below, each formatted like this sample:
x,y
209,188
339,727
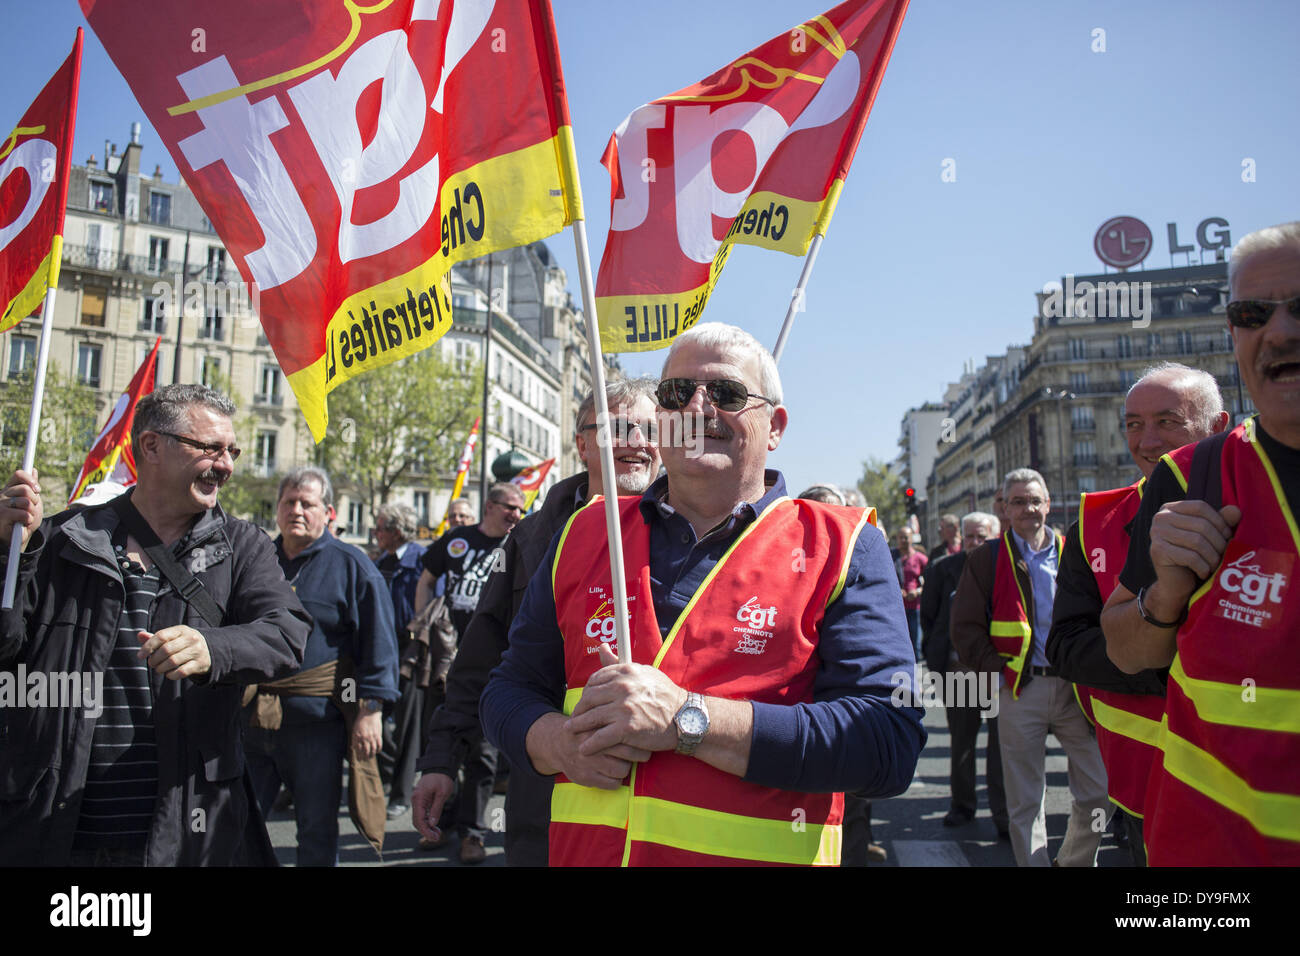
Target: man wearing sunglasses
x,y
767,638
455,727
465,556
168,605
1208,590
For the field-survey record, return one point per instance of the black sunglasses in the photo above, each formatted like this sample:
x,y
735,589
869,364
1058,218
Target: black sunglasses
x,y
210,450
723,393
1255,313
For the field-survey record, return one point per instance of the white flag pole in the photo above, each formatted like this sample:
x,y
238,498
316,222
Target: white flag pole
x,y
796,299
612,526
33,426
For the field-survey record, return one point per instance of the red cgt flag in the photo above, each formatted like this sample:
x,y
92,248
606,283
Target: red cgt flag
x,y
349,154
529,481
756,153
34,163
110,458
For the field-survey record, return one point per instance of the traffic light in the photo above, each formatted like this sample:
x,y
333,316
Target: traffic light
x,y
909,499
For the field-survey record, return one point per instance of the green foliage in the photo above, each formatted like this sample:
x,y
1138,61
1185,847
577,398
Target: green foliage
x,y
399,421
883,490
69,425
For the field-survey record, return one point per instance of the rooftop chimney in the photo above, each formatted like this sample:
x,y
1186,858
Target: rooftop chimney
x,y
135,133
90,163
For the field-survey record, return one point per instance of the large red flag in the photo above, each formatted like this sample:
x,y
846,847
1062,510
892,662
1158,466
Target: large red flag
x,y
110,457
348,155
34,164
756,153
529,481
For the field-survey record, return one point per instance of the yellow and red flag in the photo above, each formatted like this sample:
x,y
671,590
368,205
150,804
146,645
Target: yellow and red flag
x,y
529,481
462,469
110,457
757,153
35,160
349,154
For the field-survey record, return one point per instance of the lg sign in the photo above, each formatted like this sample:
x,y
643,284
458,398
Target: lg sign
x,y
1125,241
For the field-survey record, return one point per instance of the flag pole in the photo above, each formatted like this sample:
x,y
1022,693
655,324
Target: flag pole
x,y
603,443
34,420
796,300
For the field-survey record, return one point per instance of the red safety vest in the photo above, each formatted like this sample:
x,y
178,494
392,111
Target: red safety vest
x,y
749,633
1009,629
1128,725
1226,788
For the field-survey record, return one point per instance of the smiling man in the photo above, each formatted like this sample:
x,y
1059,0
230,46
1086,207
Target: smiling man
x,y
1209,578
1169,406
767,637
176,605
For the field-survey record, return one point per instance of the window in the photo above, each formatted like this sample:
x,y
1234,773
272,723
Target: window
x,y
157,254
1079,381
269,384
264,460
92,307
22,354
1085,452
155,315
356,518
101,196
1087,483
212,326
160,208
216,263
1184,341
1078,349
88,358
1127,377
420,501
1153,343
1123,346
1081,418
211,371
142,353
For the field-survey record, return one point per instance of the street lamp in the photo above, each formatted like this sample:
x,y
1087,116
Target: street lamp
x,y
1061,395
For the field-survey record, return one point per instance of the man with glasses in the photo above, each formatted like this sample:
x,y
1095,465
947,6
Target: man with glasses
x,y
1208,590
1168,407
460,513
465,556
455,726
767,636
1001,616
169,606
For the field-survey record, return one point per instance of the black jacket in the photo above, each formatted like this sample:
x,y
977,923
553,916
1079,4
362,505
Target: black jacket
x,y
65,618
455,725
941,579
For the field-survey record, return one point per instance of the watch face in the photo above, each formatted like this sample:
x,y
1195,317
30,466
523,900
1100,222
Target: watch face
x,y
692,721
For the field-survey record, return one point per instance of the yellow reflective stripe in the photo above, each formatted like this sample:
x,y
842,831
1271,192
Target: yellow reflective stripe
x,y
571,697
1178,473
732,835
1129,810
868,515
559,548
708,579
574,803
1010,629
1277,489
1264,708
1083,500
1078,699
1126,723
1272,814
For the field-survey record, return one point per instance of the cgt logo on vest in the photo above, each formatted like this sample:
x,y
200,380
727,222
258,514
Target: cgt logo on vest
x,y
754,618
1254,581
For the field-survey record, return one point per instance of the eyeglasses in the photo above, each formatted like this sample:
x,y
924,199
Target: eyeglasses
x,y
209,449
510,508
1255,313
723,393
1022,503
620,429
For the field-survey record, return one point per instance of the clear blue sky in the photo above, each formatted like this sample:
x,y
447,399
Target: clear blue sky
x,y
917,275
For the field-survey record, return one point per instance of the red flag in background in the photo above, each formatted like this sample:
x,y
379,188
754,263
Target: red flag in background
x,y
529,481
756,153
110,458
35,160
462,470
349,154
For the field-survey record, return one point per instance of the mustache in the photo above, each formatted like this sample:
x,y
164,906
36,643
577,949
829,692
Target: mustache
x,y
1274,355
210,475
706,427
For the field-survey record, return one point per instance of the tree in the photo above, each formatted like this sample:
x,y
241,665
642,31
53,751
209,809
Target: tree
x,y
404,419
68,429
883,490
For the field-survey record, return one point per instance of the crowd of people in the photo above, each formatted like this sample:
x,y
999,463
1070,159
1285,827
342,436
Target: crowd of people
x,y
757,717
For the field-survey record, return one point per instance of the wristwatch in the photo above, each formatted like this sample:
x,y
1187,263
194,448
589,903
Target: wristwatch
x,y
692,724
1146,615
370,705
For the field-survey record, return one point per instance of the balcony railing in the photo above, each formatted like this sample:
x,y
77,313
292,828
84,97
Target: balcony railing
x,y
1085,461
272,398
1083,426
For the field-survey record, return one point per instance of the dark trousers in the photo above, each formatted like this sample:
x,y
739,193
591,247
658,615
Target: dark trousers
x,y
857,830
964,728
1136,846
404,739
308,759
477,776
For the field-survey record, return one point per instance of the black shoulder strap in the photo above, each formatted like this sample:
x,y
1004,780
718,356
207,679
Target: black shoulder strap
x,y
993,577
186,584
1205,481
